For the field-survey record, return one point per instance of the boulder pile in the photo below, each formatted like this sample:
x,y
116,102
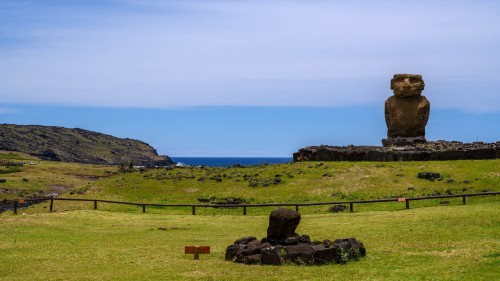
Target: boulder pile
x,y
283,245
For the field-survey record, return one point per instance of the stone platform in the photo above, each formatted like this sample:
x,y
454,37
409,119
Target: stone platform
x,y
432,150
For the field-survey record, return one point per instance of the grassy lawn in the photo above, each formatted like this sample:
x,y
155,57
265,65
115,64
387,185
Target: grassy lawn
x,y
299,182
119,242
435,243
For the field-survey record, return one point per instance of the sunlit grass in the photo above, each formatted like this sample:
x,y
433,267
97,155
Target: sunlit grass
x,y
436,243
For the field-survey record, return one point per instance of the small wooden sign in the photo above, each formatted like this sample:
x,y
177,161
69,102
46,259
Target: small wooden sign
x,y
21,201
401,199
197,250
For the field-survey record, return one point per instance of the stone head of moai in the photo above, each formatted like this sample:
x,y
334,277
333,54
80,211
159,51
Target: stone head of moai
x,y
407,85
407,111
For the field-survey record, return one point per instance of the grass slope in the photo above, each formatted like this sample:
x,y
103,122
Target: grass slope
x,y
299,182
46,177
437,243
287,183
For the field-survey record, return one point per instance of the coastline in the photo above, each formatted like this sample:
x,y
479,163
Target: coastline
x,y
230,161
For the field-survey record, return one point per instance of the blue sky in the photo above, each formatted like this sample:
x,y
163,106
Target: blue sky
x,y
247,78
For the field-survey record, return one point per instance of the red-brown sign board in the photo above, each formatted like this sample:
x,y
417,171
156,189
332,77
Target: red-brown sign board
x,y
401,199
197,251
194,249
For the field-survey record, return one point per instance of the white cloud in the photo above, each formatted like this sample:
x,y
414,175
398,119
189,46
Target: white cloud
x,y
189,53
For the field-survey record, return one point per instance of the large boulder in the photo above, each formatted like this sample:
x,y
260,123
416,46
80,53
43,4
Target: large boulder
x,y
282,224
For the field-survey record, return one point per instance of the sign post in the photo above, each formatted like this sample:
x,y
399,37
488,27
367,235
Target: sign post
x,y
196,251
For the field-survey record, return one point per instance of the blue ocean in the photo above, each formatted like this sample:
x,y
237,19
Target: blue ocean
x,y
229,161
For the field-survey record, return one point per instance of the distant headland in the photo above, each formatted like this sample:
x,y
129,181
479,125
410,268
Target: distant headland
x,y
78,145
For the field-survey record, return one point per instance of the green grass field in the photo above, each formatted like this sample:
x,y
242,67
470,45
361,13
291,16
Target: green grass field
x,y
118,242
435,243
299,182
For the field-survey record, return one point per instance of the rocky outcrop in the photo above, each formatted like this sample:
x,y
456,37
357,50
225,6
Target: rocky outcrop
x,y
283,246
439,150
78,145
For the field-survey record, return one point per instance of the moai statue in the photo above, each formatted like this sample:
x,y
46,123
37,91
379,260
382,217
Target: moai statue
x,y
407,112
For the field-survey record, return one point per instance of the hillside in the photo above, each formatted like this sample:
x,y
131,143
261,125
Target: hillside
x,y
77,146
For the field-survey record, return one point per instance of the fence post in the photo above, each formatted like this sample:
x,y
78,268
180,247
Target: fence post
x,y
244,210
143,208
296,208
95,204
463,199
194,210
51,204
15,207
407,203
351,207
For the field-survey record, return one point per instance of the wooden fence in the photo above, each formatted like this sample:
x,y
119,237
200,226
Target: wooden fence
x,y
19,203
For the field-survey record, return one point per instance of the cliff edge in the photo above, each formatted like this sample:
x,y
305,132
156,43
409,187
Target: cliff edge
x,y
78,145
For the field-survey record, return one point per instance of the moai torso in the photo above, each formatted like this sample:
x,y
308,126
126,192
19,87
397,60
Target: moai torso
x,y
407,112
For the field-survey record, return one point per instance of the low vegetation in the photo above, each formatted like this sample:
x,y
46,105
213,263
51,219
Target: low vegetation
x,y
439,242
435,243
286,183
298,182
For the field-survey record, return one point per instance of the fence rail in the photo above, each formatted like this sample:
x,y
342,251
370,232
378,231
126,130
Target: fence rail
x,y
20,202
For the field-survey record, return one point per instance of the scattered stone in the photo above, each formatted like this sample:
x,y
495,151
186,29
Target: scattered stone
x,y
444,202
448,192
272,255
302,254
245,240
411,188
466,181
222,201
283,246
337,209
450,181
429,175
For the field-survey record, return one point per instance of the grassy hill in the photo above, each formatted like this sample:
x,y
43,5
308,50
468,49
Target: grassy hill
x,y
287,183
77,145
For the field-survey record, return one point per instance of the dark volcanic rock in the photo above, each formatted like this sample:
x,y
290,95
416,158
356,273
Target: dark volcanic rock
x,y
282,224
301,254
290,247
78,145
323,255
337,208
272,256
429,175
438,150
245,240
